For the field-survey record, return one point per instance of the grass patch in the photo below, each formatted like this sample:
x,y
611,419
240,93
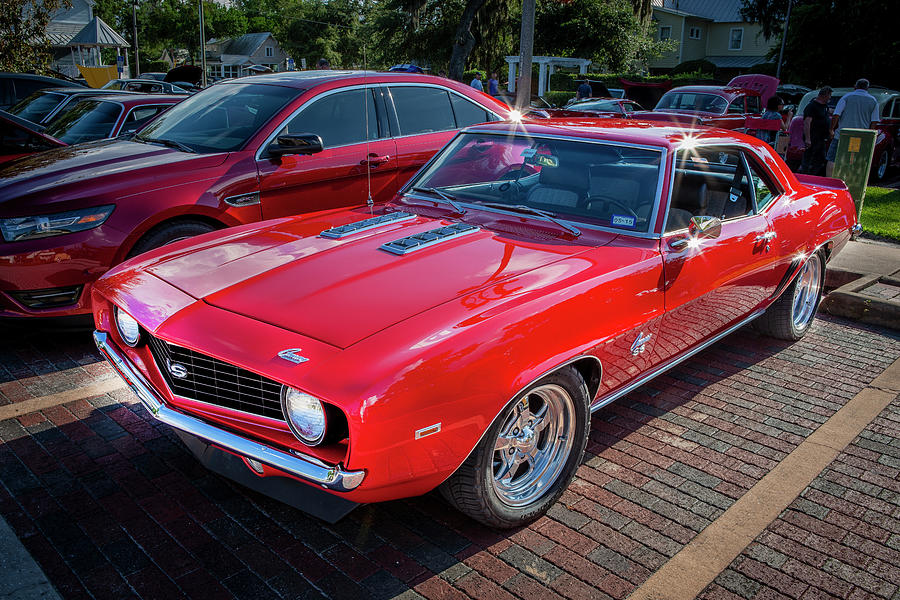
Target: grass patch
x,y
881,213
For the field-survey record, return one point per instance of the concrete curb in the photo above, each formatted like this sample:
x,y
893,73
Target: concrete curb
x,y
847,301
20,577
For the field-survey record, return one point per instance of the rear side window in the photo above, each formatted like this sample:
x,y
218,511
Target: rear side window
x,y
140,115
468,113
753,104
736,107
423,109
340,119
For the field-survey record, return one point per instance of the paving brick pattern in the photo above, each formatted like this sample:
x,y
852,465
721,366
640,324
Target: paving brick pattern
x,y
840,538
111,505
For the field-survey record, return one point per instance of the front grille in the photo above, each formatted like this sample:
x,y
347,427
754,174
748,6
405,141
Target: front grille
x,y
215,381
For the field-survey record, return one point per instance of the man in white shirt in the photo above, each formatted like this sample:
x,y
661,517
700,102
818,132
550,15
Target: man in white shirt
x,y
856,110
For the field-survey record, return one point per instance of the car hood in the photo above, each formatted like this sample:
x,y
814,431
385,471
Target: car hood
x,y
46,174
340,291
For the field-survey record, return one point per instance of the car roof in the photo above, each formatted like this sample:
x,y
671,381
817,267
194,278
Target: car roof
x,y
881,95
136,98
308,79
44,78
626,131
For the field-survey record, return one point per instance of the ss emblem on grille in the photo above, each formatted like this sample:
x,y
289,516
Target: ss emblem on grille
x,y
177,369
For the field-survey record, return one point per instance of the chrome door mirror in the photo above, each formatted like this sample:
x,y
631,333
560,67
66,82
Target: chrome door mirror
x,y
704,226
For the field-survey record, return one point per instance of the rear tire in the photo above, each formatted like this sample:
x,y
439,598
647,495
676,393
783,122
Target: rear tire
x,y
528,456
789,317
169,232
882,163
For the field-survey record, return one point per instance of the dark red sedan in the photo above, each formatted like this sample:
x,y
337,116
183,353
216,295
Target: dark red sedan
x,y
238,152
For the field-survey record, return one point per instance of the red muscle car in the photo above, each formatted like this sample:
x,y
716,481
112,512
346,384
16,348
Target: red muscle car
x,y
460,335
238,152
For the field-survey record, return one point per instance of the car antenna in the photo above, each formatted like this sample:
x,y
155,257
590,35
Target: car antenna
x,y
369,202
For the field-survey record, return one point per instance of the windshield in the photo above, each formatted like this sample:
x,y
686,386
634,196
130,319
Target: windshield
x,y
221,118
599,106
87,120
600,184
37,106
692,101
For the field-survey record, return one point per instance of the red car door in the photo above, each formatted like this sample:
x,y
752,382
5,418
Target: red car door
x,y
359,157
712,283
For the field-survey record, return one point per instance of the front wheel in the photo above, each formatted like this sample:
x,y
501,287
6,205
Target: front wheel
x,y
882,163
789,317
528,456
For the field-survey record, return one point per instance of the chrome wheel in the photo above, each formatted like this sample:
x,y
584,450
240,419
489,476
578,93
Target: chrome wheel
x,y
806,292
533,445
883,160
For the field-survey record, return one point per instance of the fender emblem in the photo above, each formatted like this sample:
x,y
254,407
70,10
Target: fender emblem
x,y
292,355
639,342
177,370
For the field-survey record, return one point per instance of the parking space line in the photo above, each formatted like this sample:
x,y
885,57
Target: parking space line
x,y
693,568
11,411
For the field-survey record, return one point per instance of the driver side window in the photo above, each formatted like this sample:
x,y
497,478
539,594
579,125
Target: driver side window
x,y
339,119
709,181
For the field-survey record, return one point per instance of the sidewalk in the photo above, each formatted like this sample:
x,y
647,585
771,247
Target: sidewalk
x,y
866,256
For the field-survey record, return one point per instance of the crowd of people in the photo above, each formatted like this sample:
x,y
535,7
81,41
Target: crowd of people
x,y
814,135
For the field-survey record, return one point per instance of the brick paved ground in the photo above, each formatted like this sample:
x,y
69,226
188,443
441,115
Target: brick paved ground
x,y
111,505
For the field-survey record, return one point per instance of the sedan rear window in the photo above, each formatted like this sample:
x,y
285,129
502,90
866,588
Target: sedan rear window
x,y
87,120
37,106
221,118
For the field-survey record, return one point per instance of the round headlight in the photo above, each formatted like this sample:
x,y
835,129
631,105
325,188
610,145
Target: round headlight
x,y
305,415
129,330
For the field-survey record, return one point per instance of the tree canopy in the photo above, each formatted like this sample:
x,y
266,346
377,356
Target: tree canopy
x,y
833,43
23,26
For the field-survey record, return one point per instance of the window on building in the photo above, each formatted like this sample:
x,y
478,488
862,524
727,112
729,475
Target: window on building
x,y
665,33
736,39
270,51
694,33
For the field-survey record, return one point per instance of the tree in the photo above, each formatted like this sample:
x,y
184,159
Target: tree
x,y
833,43
606,31
463,40
23,42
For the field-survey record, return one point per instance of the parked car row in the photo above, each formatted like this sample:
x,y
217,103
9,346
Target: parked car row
x,y
380,320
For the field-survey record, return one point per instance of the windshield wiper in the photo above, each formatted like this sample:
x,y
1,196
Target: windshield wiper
x,y
167,143
448,198
533,211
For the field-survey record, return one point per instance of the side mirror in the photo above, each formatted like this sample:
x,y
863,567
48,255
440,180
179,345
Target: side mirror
x,y
301,143
705,226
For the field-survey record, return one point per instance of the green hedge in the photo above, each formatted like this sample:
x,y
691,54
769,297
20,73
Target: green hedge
x,y
558,98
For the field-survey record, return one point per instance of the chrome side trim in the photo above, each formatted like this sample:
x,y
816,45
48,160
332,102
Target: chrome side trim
x,y
603,401
248,199
343,231
305,467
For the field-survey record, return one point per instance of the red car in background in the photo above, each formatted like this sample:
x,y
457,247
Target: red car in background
x,y
238,152
715,106
460,335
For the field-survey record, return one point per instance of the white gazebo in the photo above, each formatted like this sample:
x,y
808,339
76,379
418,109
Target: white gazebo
x,y
94,36
546,67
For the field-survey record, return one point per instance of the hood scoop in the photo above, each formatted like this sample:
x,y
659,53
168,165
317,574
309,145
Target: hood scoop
x,y
428,238
343,231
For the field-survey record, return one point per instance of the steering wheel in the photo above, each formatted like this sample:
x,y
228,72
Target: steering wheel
x,y
511,191
627,209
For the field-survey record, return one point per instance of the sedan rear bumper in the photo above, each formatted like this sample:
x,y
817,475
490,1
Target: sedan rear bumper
x,y
307,468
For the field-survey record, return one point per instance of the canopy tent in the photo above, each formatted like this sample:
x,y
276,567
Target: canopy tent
x,y
94,36
546,67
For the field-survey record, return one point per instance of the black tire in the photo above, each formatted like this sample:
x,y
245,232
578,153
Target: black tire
x,y
473,489
167,233
784,319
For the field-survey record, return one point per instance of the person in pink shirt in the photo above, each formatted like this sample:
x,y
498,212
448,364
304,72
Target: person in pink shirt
x,y
795,144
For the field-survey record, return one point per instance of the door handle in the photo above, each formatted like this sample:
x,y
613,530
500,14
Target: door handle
x,y
373,160
766,237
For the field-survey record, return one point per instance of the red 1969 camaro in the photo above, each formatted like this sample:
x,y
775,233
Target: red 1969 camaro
x,y
460,335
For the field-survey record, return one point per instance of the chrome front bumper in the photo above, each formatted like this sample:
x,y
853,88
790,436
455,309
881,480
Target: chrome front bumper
x,y
305,467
